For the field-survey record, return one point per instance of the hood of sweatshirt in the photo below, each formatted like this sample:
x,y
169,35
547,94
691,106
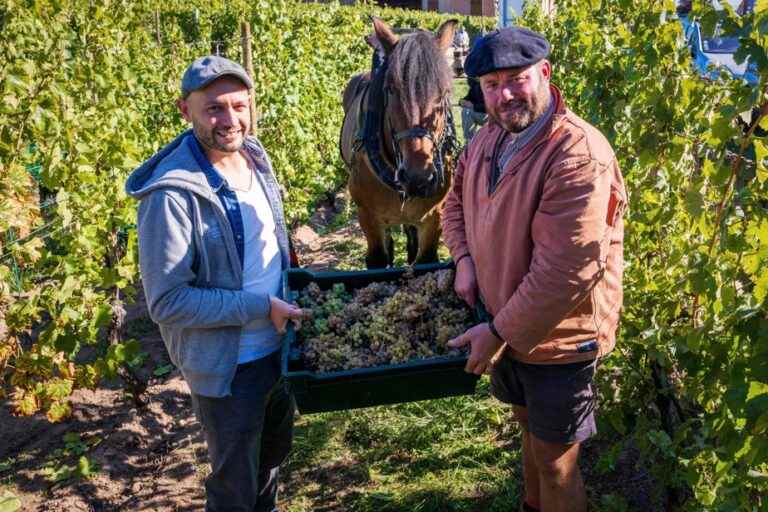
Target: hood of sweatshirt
x,y
173,166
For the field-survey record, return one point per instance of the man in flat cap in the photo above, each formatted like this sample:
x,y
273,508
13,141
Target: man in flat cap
x,y
534,224
212,247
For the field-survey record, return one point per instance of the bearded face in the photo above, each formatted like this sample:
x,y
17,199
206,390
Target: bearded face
x,y
220,114
516,97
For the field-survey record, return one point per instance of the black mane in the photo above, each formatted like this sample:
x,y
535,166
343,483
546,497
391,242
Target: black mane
x,y
418,74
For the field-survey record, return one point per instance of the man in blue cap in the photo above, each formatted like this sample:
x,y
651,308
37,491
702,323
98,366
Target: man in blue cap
x,y
533,222
212,247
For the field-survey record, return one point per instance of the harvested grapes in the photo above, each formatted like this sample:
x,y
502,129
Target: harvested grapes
x,y
383,323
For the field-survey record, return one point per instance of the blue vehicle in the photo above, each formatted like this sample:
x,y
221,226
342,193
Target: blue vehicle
x,y
713,53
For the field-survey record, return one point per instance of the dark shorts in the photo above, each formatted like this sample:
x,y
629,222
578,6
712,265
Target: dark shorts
x,y
559,398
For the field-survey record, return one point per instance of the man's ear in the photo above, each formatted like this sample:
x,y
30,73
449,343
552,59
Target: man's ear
x,y
183,106
546,69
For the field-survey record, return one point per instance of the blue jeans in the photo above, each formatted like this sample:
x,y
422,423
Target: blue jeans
x,y
249,435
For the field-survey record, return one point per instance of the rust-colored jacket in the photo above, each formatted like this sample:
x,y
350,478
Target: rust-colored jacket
x,y
547,244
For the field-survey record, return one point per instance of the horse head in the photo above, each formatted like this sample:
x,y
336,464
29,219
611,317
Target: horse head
x,y
417,89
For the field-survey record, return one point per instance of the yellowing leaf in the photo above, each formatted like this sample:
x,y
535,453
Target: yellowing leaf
x,y
24,402
761,287
58,411
58,389
9,502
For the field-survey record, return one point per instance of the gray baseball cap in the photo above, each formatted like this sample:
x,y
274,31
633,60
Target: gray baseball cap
x,y
206,69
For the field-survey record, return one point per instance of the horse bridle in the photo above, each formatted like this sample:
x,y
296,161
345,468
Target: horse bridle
x,y
438,147
373,126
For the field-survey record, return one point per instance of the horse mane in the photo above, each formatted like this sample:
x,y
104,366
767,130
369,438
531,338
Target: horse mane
x,y
418,73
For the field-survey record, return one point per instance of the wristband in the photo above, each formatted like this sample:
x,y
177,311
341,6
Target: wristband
x,y
494,331
465,255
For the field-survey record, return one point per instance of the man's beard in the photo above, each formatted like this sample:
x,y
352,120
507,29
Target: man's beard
x,y
525,112
209,140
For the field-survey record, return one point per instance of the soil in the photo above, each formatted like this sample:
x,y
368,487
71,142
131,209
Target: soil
x,y
154,458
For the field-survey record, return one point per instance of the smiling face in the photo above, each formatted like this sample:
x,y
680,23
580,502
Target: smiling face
x,y
516,97
220,115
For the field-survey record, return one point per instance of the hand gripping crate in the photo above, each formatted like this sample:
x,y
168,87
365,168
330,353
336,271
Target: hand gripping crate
x,y
363,387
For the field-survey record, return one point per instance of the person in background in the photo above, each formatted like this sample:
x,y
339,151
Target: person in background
x,y
460,49
473,115
212,247
534,225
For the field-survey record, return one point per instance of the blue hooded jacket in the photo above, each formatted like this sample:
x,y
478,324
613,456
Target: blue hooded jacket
x,y
190,255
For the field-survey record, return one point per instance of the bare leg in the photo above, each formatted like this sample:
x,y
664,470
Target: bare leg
x,y
561,488
530,471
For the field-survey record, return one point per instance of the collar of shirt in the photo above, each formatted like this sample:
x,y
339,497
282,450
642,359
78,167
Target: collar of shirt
x,y
524,137
225,194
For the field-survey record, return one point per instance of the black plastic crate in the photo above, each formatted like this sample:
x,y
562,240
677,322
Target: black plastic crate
x,y
363,387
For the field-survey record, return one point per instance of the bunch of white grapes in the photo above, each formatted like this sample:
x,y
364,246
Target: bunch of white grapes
x,y
382,323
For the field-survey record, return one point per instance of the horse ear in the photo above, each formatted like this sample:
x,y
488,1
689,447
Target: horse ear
x,y
444,35
384,34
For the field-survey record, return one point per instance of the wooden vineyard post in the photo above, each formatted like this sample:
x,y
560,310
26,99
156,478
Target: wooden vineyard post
x,y
245,39
158,37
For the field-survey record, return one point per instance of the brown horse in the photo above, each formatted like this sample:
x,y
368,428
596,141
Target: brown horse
x,y
397,142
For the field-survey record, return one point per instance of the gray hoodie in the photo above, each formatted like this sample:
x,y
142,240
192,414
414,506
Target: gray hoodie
x,y
190,266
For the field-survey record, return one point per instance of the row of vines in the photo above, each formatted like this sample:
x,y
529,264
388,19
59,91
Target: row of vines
x,y
693,354
87,90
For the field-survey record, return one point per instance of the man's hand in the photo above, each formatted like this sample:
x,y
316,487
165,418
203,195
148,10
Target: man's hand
x,y
280,312
483,345
465,283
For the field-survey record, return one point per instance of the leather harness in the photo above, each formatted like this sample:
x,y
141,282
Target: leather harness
x,y
370,125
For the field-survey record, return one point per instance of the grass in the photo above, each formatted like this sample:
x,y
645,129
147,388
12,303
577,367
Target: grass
x,y
453,454
457,454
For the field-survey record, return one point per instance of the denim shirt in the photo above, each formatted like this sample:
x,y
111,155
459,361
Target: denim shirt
x,y
228,197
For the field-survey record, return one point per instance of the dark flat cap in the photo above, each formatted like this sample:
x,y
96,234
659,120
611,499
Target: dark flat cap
x,y
206,69
509,47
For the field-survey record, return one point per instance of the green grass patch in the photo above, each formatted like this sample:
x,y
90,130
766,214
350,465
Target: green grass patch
x,y
452,454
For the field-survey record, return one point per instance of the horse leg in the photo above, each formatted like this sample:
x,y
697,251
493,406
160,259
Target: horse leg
x,y
391,249
412,242
379,241
428,239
